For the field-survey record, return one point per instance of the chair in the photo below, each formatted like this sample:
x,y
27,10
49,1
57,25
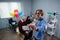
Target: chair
x,y
12,24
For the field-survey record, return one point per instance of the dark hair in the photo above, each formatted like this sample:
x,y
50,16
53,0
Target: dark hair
x,y
40,11
28,17
28,21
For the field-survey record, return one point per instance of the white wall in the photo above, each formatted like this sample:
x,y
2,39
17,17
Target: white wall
x,y
46,6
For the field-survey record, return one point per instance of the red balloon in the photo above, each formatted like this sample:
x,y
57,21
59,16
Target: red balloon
x,y
16,14
16,10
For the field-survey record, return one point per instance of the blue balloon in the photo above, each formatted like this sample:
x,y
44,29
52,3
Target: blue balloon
x,y
20,13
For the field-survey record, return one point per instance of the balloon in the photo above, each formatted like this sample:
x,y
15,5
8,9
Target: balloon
x,y
16,14
11,13
20,13
16,10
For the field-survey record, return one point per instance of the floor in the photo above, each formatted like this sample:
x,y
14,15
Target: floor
x,y
48,37
6,34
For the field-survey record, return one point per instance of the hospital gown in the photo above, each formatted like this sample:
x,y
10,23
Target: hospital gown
x,y
40,24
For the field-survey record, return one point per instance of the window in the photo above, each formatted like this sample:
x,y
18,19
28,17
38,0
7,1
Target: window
x,y
6,7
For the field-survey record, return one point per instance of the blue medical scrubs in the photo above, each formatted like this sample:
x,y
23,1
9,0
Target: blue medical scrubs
x,y
40,24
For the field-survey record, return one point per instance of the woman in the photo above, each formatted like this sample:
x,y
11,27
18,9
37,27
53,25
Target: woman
x,y
28,21
23,22
30,32
40,24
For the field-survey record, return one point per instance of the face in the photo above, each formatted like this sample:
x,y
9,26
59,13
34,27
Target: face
x,y
38,14
32,16
24,18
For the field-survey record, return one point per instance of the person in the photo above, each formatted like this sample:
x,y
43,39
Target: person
x,y
28,21
39,27
29,36
24,22
32,17
40,24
